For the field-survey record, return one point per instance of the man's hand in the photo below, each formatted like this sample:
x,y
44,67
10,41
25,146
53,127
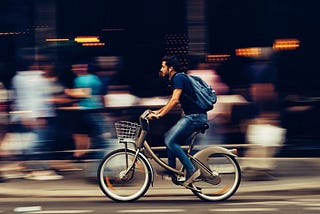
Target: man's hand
x,y
153,115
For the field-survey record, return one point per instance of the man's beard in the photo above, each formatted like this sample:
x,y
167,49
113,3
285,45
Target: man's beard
x,y
165,77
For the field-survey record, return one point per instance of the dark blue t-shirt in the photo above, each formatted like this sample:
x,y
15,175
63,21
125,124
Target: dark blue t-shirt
x,y
181,81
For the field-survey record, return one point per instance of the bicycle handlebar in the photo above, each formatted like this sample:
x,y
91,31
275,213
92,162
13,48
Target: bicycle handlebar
x,y
144,122
145,114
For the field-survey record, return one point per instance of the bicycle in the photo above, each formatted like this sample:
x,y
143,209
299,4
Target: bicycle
x,y
126,173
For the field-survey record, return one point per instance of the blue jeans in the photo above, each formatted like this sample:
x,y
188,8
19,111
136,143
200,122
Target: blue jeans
x,y
178,134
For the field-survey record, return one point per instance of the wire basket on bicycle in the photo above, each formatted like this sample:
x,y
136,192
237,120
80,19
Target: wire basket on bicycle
x,y
127,131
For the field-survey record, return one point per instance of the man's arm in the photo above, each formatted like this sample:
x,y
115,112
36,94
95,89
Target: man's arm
x,y
174,100
78,92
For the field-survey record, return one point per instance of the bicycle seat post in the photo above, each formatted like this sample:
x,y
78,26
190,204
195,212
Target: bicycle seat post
x,y
194,135
193,139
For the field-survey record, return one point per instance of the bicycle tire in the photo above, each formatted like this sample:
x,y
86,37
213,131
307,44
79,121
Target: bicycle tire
x,y
230,174
129,187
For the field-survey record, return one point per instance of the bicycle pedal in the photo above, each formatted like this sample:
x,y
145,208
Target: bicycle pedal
x,y
181,179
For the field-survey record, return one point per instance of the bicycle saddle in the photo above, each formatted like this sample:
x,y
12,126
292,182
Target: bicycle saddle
x,y
203,128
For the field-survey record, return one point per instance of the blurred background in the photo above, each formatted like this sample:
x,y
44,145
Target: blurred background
x,y
260,56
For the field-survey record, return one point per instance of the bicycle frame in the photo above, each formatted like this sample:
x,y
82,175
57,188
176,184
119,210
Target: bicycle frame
x,y
142,143
199,157
213,184
159,160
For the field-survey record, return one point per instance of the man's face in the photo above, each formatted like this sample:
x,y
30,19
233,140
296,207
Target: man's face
x,y
164,69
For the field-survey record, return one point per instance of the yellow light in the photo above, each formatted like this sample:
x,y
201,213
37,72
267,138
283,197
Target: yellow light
x,y
86,39
57,39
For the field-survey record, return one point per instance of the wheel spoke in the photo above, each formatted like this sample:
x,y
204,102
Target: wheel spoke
x,y
117,183
230,175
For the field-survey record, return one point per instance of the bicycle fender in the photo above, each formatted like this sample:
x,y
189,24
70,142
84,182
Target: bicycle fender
x,y
203,154
148,162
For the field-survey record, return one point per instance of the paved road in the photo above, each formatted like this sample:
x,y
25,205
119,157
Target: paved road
x,y
255,203
296,174
294,189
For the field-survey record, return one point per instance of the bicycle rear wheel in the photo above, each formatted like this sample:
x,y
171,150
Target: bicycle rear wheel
x,y
230,174
121,186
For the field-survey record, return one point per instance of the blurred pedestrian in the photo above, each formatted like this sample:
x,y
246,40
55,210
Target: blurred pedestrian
x,y
264,131
33,112
88,90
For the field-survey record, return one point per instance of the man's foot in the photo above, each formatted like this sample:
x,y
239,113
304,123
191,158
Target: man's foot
x,y
191,177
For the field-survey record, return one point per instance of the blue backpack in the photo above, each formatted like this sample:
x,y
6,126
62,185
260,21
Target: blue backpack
x,y
205,96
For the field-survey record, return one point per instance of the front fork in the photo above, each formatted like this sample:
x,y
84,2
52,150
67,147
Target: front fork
x,y
125,173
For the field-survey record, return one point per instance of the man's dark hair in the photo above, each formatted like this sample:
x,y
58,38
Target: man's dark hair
x,y
172,61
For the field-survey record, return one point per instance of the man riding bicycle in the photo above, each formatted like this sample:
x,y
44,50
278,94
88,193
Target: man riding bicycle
x,y
192,119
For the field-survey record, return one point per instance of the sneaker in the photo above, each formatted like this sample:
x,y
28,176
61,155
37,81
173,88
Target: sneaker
x,y
191,177
13,175
44,175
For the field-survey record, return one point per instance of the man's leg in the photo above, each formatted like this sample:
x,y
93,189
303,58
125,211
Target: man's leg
x,y
176,136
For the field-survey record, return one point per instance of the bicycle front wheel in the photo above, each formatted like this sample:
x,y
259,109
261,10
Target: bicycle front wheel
x,y
117,182
229,172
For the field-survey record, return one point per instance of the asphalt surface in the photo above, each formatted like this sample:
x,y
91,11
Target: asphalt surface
x,y
287,175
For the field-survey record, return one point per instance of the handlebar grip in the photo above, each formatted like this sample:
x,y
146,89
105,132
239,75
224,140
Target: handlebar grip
x,y
144,122
145,114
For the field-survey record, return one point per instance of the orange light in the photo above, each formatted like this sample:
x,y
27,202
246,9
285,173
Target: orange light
x,y
248,52
286,44
93,44
86,39
217,57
